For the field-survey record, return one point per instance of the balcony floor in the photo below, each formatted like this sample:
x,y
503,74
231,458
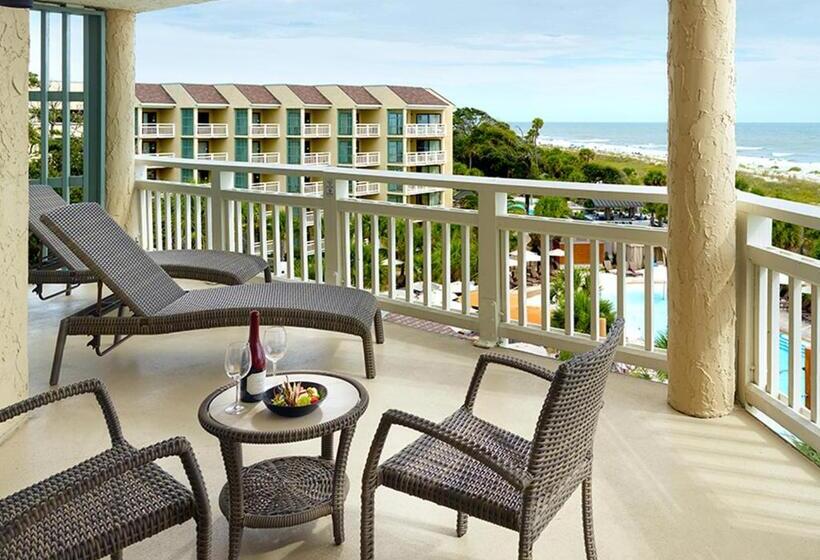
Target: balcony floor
x,y
665,485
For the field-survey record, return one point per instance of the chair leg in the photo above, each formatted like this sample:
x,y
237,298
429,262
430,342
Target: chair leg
x,y
378,324
525,547
369,358
117,555
368,506
589,533
57,363
268,276
461,524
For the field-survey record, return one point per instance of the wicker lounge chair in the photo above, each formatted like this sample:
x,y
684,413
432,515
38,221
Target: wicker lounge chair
x,y
160,306
64,268
106,503
480,470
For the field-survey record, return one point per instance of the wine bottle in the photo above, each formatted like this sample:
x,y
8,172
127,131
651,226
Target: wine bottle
x,y
253,385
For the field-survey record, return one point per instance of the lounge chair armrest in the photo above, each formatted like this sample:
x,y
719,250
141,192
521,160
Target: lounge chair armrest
x,y
92,478
83,387
509,472
486,359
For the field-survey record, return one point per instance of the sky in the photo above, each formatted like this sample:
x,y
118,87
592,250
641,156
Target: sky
x,y
561,60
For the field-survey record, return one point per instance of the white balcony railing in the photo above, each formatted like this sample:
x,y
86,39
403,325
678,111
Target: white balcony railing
x,y
364,188
158,130
368,159
419,189
265,157
368,130
436,130
264,130
265,186
316,130
215,156
159,156
790,395
217,130
316,158
425,158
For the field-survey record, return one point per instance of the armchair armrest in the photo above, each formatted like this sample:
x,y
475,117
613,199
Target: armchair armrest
x,y
94,478
83,387
509,472
486,359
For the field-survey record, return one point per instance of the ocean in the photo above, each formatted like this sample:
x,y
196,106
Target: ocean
x,y
760,144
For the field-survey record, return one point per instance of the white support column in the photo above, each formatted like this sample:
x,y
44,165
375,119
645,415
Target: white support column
x,y
490,267
14,53
702,162
335,232
220,180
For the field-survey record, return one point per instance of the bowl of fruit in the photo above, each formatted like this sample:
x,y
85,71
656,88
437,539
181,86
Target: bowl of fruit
x,y
294,399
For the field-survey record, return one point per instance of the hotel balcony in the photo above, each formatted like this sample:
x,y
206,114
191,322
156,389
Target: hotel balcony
x,y
425,158
316,130
316,158
215,156
265,157
312,188
437,130
264,131
265,186
409,190
158,164
212,130
368,130
368,159
364,188
161,130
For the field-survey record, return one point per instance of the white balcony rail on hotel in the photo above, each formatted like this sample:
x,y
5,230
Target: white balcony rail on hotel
x,y
215,156
409,190
265,157
316,158
364,188
316,130
425,158
161,155
312,188
368,159
157,130
368,130
218,216
217,130
266,186
260,130
434,130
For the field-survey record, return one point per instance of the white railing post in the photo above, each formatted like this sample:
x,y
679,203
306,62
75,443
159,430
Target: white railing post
x,y
490,266
335,257
220,180
140,197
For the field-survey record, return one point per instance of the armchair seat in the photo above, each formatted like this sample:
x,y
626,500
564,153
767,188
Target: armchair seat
x,y
435,471
102,520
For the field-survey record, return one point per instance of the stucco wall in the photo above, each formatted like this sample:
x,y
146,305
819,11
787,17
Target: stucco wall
x,y
702,161
14,47
120,101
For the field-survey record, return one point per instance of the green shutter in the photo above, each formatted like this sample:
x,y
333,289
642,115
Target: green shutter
x,y
395,151
294,185
187,122
294,122
395,122
345,122
188,148
241,122
241,149
241,181
294,151
187,175
345,151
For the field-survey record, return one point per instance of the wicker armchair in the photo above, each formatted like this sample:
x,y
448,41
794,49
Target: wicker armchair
x,y
480,470
99,507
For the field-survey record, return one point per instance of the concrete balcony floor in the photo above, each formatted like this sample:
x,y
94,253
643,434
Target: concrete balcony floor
x,y
665,485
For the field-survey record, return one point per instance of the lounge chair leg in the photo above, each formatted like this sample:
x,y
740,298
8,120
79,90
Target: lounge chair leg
x,y
524,547
268,276
117,555
57,363
461,524
378,324
369,358
589,533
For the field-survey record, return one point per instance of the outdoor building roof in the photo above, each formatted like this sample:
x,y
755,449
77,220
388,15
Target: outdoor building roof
x,y
417,95
205,94
615,204
153,94
360,95
310,95
257,95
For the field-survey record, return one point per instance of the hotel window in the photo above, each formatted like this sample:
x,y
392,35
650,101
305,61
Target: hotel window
x,y
428,118
294,122
187,122
395,151
241,150
395,198
294,151
188,148
294,184
395,122
187,175
428,145
345,151
241,122
66,96
345,122
394,187
240,181
256,117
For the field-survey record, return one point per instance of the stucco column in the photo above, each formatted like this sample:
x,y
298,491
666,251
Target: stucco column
x,y
14,52
120,100
702,161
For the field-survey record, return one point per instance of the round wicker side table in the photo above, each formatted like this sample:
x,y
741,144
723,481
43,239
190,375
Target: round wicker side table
x,y
285,491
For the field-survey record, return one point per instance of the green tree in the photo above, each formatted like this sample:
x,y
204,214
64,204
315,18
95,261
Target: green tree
x,y
586,155
655,178
552,207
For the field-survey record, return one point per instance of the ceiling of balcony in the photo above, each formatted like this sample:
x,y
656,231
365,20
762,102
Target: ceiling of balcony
x,y
139,5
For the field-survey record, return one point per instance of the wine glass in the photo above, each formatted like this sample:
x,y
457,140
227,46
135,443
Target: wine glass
x,y
237,366
275,343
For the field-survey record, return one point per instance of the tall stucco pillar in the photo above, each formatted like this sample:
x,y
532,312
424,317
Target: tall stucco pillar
x,y
702,161
120,100
14,52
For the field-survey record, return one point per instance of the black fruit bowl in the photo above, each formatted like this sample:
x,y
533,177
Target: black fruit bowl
x,y
293,411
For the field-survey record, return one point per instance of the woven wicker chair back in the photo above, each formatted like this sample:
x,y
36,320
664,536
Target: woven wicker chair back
x,y
43,199
106,249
